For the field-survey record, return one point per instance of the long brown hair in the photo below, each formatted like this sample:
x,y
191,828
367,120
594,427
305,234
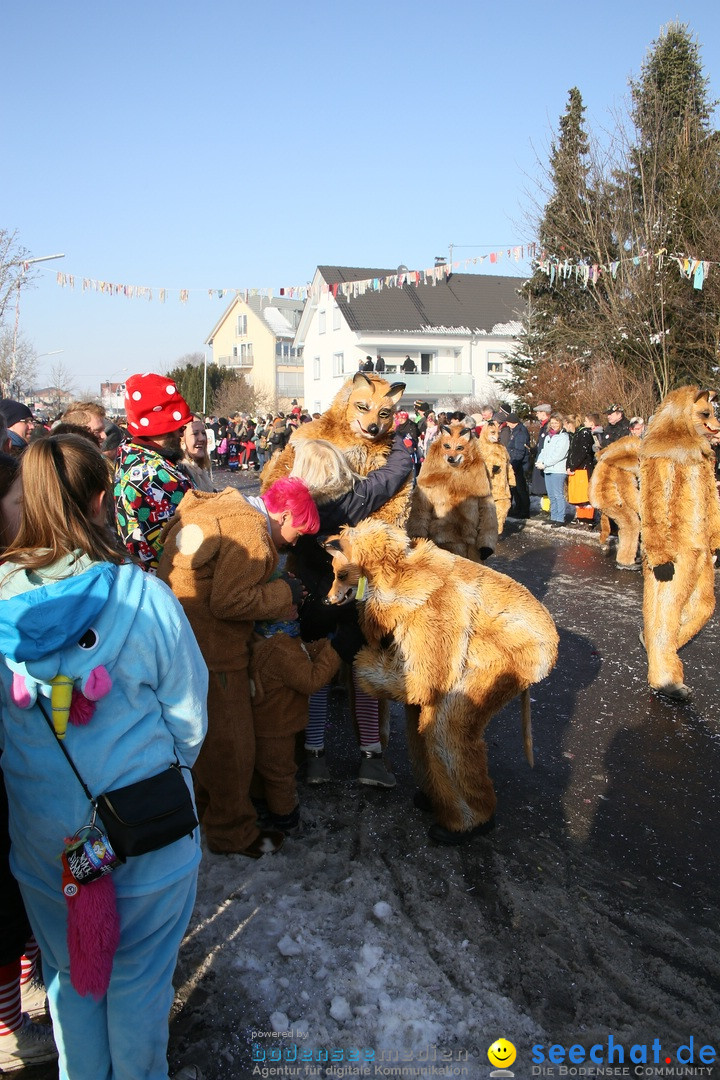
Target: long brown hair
x,y
61,475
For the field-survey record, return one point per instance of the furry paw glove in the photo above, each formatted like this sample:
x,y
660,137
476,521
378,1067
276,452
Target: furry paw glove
x,y
664,571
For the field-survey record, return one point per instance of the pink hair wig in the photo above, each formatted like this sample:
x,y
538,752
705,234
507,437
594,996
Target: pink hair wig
x,y
292,494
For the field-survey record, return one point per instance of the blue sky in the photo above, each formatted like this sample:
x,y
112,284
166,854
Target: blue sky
x,y
218,144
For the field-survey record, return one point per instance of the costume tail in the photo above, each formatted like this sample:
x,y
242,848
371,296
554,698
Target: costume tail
x,y
527,726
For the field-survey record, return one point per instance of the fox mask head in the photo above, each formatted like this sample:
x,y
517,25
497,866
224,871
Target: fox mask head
x,y
456,444
371,406
346,574
705,414
491,432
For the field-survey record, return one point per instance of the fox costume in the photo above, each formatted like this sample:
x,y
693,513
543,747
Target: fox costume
x,y
453,640
680,521
360,423
452,504
614,492
499,470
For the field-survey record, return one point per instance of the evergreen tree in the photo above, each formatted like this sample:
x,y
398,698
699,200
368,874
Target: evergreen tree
x,y
656,200
190,378
559,317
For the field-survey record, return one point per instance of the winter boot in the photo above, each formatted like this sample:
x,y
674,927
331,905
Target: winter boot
x,y
317,771
373,770
285,823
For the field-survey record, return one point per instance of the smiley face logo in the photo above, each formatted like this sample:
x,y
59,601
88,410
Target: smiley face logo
x,y
502,1053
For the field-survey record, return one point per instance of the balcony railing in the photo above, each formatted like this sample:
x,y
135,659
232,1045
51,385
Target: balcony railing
x,y
432,385
235,361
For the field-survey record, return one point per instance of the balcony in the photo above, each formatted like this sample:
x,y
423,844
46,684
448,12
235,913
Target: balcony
x,y
236,362
430,386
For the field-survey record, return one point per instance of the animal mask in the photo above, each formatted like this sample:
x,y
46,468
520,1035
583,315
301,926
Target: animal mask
x,y
457,444
491,432
347,576
705,414
371,406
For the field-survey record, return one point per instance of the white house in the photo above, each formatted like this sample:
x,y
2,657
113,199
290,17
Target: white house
x,y
459,331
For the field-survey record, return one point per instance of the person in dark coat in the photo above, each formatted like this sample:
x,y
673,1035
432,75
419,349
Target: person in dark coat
x,y
518,448
618,426
380,365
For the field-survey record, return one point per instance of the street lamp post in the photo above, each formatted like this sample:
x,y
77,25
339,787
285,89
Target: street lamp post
x,y
25,263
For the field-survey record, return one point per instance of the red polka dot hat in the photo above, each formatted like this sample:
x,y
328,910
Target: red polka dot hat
x,y
154,406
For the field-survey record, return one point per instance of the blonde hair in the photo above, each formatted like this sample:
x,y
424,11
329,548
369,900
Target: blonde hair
x,y
79,412
60,476
203,463
324,469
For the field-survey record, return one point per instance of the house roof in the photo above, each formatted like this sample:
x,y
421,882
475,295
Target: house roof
x,y
280,315
474,302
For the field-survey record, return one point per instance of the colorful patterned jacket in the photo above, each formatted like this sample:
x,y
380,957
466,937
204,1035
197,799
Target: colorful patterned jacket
x,y
148,490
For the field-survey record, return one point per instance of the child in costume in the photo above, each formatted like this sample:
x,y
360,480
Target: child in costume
x,y
220,556
87,636
284,671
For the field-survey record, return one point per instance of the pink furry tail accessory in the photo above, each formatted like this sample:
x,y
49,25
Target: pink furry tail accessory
x,y
93,935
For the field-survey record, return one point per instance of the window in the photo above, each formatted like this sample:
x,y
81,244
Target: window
x,y
425,361
336,318
246,355
321,322
241,329
496,363
338,363
316,367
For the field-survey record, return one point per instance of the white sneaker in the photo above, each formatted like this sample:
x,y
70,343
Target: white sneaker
x,y
29,1045
34,997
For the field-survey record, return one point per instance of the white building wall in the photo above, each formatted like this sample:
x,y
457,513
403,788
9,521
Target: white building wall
x,y
332,351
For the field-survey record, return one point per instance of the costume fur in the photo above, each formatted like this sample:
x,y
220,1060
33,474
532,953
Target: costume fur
x,y
452,504
453,640
219,561
614,492
680,519
360,423
499,470
284,671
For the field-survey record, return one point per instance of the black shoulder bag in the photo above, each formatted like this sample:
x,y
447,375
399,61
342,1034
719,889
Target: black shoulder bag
x,y
144,816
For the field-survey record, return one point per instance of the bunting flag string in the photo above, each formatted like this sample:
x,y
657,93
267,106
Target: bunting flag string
x,y
557,270
590,273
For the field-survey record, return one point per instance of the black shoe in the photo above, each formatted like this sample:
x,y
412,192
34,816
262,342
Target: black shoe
x,y
421,801
285,823
441,835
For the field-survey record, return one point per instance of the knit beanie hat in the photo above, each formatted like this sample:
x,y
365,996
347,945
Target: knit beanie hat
x,y
154,406
14,411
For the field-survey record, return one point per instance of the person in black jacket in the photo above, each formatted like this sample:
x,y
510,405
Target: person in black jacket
x,y
617,426
518,448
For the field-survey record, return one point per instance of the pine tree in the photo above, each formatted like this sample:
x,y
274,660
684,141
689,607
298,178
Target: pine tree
x,y
559,316
655,201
